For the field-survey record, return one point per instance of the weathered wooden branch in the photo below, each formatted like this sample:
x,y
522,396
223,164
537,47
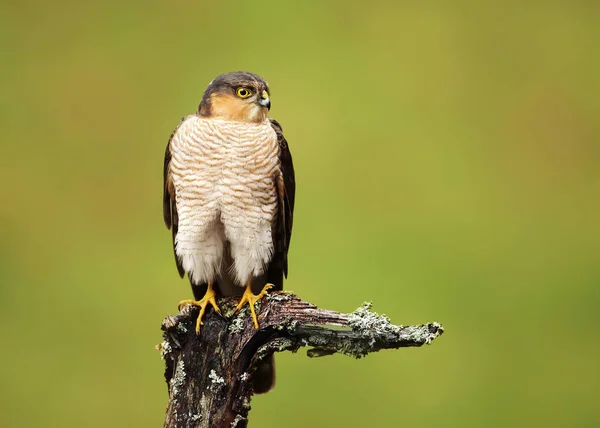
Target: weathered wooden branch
x,y
209,375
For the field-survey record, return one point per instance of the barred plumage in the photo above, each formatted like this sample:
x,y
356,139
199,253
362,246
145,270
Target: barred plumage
x,y
225,175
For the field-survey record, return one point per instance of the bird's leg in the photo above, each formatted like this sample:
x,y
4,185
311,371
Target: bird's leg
x,y
209,297
251,299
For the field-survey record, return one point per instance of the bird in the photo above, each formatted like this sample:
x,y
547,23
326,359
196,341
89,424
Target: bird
x,y
228,199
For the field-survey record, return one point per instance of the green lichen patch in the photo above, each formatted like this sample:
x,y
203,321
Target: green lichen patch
x,y
421,334
178,379
371,325
237,324
289,325
216,380
280,296
277,345
194,417
164,348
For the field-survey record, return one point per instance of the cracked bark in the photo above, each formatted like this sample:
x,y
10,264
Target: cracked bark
x,y
209,375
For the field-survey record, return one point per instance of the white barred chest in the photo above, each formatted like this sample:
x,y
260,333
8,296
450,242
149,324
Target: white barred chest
x,y
225,177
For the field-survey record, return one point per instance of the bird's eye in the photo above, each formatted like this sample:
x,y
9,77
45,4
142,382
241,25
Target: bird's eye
x,y
243,92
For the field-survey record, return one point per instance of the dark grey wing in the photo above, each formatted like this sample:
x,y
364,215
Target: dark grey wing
x,y
264,377
285,218
169,205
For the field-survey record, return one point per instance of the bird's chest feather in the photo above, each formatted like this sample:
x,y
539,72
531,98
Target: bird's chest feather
x,y
228,166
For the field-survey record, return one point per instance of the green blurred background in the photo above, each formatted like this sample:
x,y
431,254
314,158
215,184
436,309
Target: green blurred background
x,y
448,167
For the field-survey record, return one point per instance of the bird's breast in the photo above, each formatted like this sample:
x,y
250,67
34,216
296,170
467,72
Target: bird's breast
x,y
225,165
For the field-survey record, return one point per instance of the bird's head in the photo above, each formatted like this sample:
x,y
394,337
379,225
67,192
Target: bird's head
x,y
239,96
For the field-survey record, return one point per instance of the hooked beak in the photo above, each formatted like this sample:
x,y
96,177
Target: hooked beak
x,y
264,100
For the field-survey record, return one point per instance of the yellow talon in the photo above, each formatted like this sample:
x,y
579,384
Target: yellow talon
x,y
251,299
209,297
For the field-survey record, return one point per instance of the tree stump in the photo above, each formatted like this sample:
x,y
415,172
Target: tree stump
x,y
209,376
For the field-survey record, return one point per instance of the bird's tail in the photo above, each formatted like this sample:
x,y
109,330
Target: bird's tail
x,y
264,377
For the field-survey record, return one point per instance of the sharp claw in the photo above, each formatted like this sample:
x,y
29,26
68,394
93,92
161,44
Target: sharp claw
x,y
198,324
208,299
251,299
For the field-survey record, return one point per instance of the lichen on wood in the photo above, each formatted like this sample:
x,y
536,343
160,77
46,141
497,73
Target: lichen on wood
x,y
209,376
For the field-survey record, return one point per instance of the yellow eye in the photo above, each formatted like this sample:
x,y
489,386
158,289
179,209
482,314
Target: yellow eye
x,y
243,92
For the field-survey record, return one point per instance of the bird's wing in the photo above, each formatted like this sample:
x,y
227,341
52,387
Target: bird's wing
x,y
286,188
169,205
